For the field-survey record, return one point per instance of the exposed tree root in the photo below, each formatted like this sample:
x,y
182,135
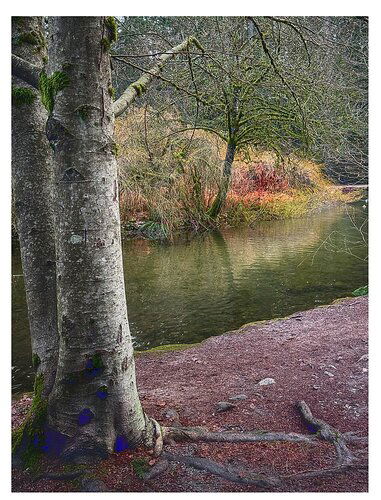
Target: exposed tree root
x,y
158,447
200,434
325,472
345,460
328,433
234,474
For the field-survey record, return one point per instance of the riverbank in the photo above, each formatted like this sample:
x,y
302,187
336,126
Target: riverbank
x,y
319,356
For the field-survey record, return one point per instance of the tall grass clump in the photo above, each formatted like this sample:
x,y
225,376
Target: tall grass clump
x,y
166,179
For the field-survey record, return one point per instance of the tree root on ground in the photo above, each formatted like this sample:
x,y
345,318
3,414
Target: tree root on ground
x,y
234,474
328,433
345,459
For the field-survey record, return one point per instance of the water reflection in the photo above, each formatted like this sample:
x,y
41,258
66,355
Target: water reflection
x,y
189,291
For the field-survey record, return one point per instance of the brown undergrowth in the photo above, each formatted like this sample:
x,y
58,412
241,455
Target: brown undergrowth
x,y
319,356
168,180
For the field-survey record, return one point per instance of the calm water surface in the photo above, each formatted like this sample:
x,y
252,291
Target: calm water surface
x,y
186,292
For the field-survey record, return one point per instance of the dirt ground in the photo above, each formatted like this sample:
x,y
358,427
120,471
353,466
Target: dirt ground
x,y
319,356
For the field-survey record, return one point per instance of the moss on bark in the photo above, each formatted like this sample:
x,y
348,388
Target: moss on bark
x,y
32,38
28,438
50,86
112,28
22,95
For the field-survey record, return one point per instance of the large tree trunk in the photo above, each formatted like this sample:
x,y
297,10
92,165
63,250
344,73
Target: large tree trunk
x,y
94,407
32,185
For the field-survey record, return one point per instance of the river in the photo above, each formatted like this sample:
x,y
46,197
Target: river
x,y
217,281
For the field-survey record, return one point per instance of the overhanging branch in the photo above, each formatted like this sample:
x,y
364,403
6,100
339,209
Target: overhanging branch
x,y
139,86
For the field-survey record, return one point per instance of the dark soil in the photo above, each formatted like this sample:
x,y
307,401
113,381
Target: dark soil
x,y
319,356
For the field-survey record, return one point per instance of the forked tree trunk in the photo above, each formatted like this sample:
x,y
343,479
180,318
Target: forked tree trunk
x,y
32,184
94,407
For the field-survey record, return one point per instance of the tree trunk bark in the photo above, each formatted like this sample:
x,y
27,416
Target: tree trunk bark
x,y
32,184
220,199
94,408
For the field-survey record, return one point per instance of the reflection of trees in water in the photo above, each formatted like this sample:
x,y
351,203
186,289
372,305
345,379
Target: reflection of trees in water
x,y
271,242
354,241
212,264
221,275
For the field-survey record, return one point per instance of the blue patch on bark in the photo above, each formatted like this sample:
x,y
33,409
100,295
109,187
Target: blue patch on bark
x,y
54,442
36,440
102,394
94,367
121,444
85,417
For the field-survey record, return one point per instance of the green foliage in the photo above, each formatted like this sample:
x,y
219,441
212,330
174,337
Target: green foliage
x,y
140,466
19,20
154,230
50,86
22,95
363,290
27,438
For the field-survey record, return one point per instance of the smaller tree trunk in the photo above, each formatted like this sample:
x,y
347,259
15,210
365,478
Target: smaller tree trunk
x,y
32,185
220,198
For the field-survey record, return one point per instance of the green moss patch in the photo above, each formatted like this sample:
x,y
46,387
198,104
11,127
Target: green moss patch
x,y
112,28
111,92
106,43
35,361
50,86
166,348
140,466
140,89
32,38
22,95
27,439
